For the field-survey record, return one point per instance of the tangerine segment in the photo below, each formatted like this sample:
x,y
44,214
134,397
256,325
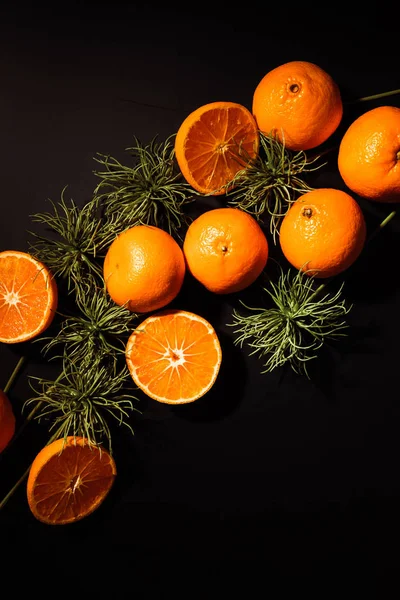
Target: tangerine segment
x,y
28,297
174,356
213,143
68,480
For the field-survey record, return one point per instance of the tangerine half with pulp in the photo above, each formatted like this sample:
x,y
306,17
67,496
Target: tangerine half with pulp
x,y
28,297
174,356
213,143
68,480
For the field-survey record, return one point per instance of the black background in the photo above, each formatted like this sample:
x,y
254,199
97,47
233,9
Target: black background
x,y
300,476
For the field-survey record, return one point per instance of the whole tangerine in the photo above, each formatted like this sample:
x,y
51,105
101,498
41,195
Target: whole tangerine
x,y
299,103
369,155
225,249
144,268
323,232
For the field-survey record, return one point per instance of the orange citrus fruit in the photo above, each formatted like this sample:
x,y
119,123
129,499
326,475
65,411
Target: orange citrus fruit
x,y
144,268
369,155
68,480
7,421
174,356
323,232
28,297
299,103
225,249
213,143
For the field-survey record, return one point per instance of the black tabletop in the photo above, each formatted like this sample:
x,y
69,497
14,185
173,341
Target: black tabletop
x,y
300,473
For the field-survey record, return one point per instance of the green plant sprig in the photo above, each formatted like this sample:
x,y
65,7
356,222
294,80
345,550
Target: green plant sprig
x,y
81,400
271,182
151,191
97,330
300,322
81,238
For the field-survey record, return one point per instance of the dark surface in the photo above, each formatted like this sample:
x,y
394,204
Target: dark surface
x,y
300,475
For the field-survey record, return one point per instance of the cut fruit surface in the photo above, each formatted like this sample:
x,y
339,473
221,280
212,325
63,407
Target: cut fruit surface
x,y
213,143
174,356
68,480
28,297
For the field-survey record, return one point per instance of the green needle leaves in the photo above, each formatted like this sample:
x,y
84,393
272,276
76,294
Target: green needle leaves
x,y
151,191
81,401
96,331
301,320
78,239
272,182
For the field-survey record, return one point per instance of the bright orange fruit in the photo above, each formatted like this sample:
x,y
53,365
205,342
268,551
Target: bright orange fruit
x,y
7,421
299,103
68,480
225,249
28,297
369,155
323,232
213,143
174,356
144,268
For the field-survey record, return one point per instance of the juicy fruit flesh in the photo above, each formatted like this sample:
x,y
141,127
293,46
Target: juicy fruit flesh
x,y
209,152
174,357
24,297
214,143
72,484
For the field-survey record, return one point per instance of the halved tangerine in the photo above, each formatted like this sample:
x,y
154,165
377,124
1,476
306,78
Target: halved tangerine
x,y
174,356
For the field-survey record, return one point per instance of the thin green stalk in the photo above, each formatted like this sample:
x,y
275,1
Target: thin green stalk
x,y
25,474
377,96
14,374
381,225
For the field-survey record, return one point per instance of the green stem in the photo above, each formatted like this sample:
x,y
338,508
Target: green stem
x,y
14,374
319,289
25,474
377,96
381,225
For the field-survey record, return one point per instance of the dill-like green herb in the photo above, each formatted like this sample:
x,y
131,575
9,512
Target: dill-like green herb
x,y
81,238
296,327
271,182
81,401
151,191
98,328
